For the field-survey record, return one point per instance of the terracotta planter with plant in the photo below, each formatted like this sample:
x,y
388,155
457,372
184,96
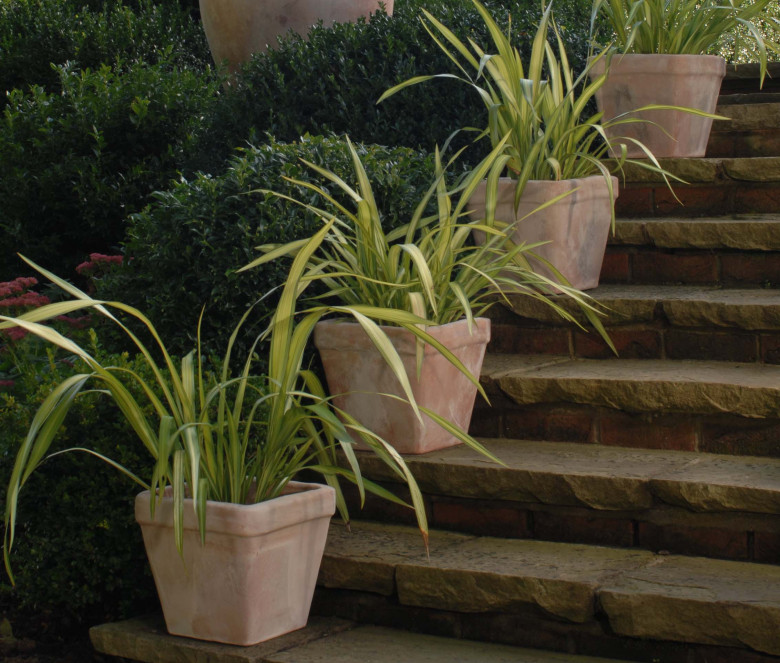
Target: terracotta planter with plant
x,y
235,29
553,151
664,54
427,267
234,543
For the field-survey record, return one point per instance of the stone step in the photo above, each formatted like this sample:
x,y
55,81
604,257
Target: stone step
x,y
324,640
736,251
744,79
751,131
575,598
682,502
707,406
649,322
716,186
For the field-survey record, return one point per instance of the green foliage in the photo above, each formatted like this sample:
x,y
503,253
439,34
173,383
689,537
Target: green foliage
x,y
691,27
74,163
79,557
34,34
332,81
187,245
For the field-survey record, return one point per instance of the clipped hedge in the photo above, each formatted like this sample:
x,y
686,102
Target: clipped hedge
x,y
78,556
34,34
74,163
332,81
186,246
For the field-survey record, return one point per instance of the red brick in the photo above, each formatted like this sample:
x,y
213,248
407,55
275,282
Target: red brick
x,y
555,425
766,547
634,201
721,145
511,339
624,430
630,344
585,527
741,437
770,348
615,268
656,267
725,346
480,517
759,199
485,420
696,200
376,508
751,269
703,541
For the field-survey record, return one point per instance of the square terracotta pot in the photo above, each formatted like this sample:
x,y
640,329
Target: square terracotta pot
x,y
357,375
254,579
575,229
636,80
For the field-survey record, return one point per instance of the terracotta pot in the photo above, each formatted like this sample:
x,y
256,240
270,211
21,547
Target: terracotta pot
x,y
575,228
633,81
254,579
237,28
357,375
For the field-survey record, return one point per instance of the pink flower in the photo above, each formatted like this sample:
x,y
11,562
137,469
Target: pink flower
x,y
15,333
7,384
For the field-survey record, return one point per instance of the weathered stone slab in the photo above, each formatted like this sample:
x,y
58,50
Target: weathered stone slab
x,y
366,556
372,644
703,387
691,599
599,477
748,232
723,483
755,169
748,117
489,574
690,170
145,639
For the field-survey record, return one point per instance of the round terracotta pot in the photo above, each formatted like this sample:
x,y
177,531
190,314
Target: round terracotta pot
x,y
358,375
237,28
634,80
254,578
574,230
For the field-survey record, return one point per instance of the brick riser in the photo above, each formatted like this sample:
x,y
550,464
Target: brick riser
x,y
524,627
585,424
735,536
650,265
717,198
756,143
637,341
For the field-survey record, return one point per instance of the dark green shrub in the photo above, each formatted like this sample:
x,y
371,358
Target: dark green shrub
x,y
74,164
185,247
332,81
34,34
78,558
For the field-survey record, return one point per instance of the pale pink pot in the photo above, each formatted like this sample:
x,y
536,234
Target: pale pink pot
x,y
254,579
357,375
575,228
237,28
635,80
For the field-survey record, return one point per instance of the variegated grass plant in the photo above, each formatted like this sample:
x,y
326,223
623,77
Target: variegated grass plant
x,y
221,437
428,267
689,27
539,112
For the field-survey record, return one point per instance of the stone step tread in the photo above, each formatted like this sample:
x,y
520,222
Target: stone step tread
x,y
324,640
679,305
640,594
747,232
747,117
638,385
599,477
708,170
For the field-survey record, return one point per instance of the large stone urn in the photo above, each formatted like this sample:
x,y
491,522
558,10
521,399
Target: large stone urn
x,y
237,28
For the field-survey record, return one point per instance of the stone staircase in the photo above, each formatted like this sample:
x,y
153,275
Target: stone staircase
x,y
637,513
637,516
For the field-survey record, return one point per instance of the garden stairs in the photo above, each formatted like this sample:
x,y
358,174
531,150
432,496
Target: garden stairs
x,y
638,514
